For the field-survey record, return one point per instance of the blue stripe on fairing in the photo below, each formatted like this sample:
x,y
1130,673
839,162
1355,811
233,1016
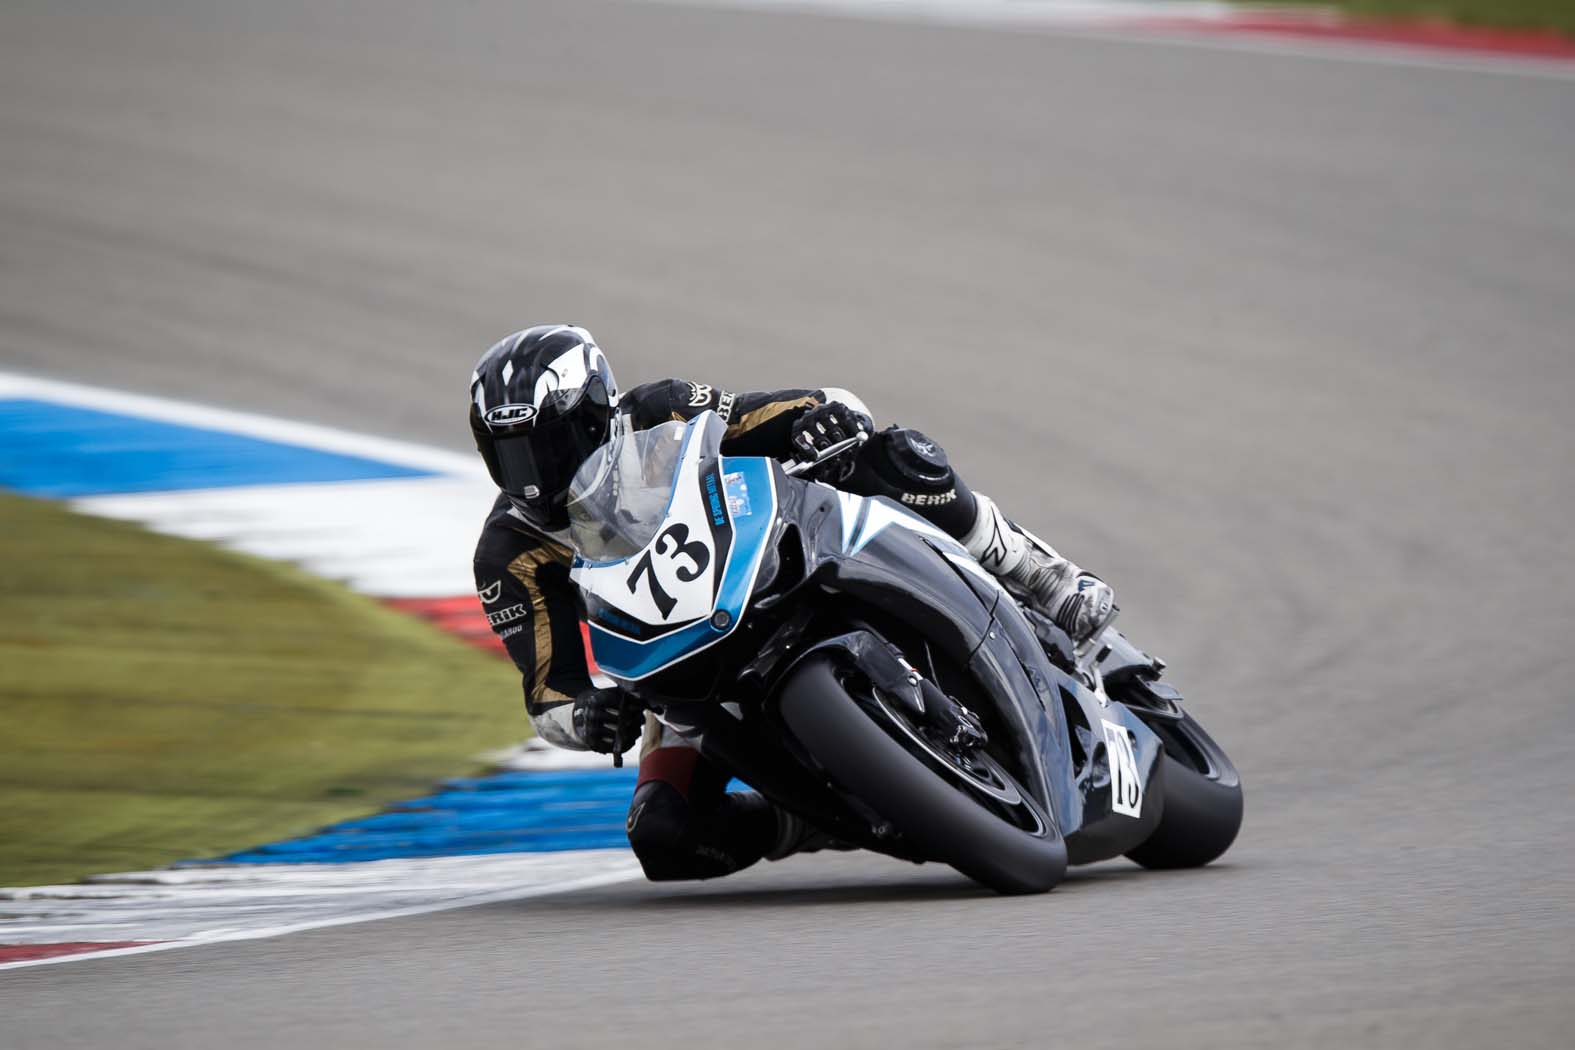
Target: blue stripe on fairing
x,y
624,658
506,813
60,451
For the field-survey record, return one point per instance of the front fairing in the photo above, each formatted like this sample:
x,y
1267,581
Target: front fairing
x,y
684,564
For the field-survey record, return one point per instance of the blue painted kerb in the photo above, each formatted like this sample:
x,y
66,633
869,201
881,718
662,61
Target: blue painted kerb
x,y
60,451
505,813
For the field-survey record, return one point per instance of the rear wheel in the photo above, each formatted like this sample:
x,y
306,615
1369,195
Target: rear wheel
x,y
1203,800
963,809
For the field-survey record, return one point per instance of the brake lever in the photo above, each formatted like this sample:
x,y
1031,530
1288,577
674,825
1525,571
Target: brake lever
x,y
799,466
618,747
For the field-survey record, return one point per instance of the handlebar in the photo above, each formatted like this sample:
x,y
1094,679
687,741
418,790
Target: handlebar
x,y
799,466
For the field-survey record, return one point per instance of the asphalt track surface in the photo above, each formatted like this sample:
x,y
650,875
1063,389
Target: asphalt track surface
x,y
1281,345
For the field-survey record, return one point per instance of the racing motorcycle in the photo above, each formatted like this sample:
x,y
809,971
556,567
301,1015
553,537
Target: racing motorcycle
x,y
854,664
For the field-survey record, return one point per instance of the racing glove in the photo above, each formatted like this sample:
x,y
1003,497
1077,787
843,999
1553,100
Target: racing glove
x,y
824,426
607,720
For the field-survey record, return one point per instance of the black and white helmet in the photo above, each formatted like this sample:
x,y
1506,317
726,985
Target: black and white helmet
x,y
541,401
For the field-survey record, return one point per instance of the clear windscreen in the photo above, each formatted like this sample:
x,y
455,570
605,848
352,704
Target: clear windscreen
x,y
619,497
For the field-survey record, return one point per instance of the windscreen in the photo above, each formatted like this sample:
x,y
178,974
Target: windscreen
x,y
619,497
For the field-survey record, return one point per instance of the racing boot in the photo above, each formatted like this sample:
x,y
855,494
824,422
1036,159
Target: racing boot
x,y
797,835
1078,602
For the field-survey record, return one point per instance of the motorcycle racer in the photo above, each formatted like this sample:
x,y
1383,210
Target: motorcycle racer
x,y
541,402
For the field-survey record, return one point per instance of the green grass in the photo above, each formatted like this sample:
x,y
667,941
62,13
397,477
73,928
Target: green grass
x,y
162,699
1507,14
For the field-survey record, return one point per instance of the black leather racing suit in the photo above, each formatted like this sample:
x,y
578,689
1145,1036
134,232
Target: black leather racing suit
x,y
682,823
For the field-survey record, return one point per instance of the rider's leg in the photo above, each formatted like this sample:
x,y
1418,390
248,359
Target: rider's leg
x,y
910,468
1079,602
684,824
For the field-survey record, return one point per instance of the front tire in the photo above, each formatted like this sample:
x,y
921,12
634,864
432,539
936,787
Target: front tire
x,y
930,812
1203,800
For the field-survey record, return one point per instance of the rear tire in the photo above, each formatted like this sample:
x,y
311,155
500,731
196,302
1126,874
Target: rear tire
x,y
936,816
1203,800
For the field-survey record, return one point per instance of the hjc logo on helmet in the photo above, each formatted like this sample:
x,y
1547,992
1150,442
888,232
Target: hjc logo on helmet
x,y
509,415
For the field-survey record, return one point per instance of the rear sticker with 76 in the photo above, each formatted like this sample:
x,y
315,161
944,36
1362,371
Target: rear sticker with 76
x,y
1126,787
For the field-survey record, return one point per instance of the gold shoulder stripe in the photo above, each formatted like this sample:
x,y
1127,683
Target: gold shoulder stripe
x,y
765,413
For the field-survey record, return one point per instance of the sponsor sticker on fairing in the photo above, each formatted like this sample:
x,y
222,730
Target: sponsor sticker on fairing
x,y
737,495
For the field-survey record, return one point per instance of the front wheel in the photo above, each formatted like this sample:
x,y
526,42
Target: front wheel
x,y
971,816
1203,800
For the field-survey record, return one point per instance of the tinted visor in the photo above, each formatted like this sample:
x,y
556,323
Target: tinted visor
x,y
537,463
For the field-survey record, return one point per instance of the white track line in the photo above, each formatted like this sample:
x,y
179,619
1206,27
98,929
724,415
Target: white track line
x,y
391,538
1001,13
189,907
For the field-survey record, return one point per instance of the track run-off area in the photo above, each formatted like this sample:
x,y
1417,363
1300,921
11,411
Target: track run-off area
x,y
1276,339
297,493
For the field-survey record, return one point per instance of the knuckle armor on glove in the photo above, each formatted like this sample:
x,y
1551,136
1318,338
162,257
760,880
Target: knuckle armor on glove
x,y
826,425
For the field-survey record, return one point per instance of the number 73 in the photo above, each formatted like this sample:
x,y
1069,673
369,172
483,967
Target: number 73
x,y
674,544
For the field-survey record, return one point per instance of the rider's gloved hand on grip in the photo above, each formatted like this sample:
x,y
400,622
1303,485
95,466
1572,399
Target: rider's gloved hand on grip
x,y
608,721
824,426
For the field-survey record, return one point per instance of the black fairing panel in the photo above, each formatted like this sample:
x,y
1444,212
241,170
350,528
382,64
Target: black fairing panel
x,y
908,571
1014,657
896,570
1102,832
1081,792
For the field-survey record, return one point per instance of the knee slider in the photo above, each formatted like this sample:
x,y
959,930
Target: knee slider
x,y
657,826
908,467
911,466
